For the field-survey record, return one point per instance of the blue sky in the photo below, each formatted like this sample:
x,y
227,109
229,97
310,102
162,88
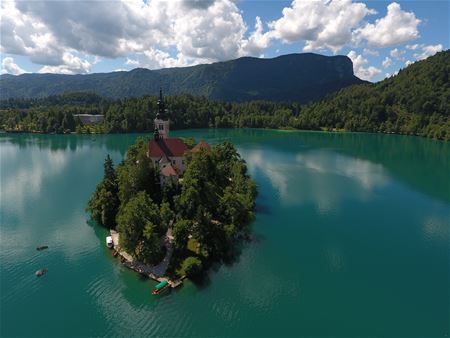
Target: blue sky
x,y
73,37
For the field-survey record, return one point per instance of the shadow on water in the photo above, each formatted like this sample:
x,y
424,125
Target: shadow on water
x,y
233,257
262,209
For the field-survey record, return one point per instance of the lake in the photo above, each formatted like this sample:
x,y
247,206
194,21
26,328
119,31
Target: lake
x,y
351,238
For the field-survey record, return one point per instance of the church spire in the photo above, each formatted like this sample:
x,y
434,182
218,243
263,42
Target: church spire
x,y
161,106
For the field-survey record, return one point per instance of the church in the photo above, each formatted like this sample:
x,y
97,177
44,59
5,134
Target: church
x,y
168,153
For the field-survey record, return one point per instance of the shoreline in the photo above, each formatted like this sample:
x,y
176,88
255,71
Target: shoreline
x,y
143,269
282,130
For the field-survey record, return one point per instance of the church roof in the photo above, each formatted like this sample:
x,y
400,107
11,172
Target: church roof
x,y
167,147
168,170
201,145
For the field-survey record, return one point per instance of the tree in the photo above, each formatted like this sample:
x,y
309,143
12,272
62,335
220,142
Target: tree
x,y
138,214
104,202
190,267
149,249
137,173
166,214
169,190
180,231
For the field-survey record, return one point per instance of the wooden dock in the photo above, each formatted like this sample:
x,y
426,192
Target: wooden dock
x,y
176,283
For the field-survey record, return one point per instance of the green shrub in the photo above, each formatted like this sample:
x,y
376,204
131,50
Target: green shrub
x,y
190,267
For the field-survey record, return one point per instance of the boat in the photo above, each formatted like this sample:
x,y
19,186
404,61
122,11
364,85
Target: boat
x,y
42,247
109,242
160,287
41,272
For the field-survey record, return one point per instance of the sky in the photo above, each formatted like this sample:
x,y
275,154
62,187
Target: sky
x,y
81,37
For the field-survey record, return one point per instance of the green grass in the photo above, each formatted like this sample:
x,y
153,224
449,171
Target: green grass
x,y
192,245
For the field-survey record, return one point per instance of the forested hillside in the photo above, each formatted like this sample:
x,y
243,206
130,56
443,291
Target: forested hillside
x,y
415,102
295,77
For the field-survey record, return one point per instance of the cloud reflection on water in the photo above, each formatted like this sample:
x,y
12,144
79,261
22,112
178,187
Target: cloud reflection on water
x,y
26,182
308,176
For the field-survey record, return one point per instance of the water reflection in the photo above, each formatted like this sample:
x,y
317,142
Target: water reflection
x,y
112,142
308,176
23,173
421,163
436,228
302,267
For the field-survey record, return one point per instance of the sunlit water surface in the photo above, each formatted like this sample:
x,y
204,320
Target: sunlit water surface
x,y
351,238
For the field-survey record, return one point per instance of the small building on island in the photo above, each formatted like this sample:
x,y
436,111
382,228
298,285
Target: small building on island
x,y
168,153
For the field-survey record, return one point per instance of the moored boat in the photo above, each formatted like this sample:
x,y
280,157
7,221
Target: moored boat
x,y
160,287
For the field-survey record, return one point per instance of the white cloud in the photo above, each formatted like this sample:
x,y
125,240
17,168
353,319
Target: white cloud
x,y
359,63
428,51
155,58
408,62
387,62
395,28
9,67
200,31
397,54
367,51
132,62
63,35
321,24
97,59
413,47
257,42
209,34
71,65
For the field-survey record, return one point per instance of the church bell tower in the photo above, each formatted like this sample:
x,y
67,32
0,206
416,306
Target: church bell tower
x,y
161,120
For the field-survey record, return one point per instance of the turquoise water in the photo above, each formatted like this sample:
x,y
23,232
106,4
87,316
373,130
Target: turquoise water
x,y
351,239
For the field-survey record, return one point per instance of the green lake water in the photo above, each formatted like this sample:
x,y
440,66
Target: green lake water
x,y
351,238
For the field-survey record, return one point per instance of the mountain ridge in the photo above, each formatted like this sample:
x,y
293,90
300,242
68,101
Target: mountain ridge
x,y
301,78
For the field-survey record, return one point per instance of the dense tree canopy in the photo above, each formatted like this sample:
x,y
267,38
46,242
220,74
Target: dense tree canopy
x,y
208,210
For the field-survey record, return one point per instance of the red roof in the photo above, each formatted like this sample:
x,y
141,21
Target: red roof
x,y
201,145
169,147
168,170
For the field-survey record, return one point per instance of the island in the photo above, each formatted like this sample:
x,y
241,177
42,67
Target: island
x,y
175,207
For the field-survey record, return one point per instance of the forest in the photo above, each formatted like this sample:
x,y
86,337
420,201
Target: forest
x,y
209,211
416,101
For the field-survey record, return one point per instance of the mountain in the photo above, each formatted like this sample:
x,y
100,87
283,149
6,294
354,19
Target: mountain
x,y
294,77
415,102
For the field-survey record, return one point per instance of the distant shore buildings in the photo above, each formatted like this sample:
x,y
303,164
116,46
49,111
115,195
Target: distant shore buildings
x,y
87,119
